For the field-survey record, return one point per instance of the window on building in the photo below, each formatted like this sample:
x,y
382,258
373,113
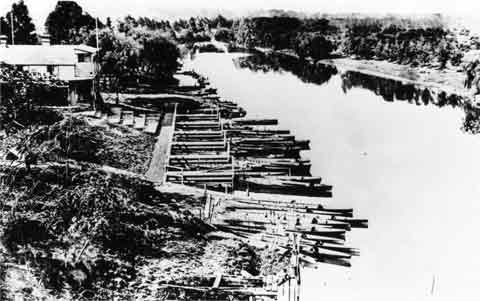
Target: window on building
x,y
84,58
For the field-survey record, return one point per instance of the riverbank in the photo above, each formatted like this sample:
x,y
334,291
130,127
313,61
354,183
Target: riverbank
x,y
113,233
448,80
119,232
451,80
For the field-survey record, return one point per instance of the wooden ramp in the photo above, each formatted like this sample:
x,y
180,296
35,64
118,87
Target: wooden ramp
x,y
161,153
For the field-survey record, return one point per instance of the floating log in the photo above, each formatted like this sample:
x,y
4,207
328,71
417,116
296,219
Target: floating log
x,y
301,179
354,223
194,124
258,151
265,185
251,132
259,138
253,121
338,216
197,117
270,147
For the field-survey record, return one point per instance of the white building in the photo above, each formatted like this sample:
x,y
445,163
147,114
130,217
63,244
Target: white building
x,y
71,63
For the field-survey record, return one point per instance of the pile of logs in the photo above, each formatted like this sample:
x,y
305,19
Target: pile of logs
x,y
215,147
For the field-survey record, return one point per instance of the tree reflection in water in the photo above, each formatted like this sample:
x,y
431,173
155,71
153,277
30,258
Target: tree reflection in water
x,y
392,90
308,72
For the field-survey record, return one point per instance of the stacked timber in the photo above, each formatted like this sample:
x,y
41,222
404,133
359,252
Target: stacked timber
x,y
215,147
199,154
320,233
260,152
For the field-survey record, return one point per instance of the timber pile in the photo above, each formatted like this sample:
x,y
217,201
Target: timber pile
x,y
319,232
210,148
199,152
214,145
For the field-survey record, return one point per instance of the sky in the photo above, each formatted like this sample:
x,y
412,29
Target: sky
x,y
39,9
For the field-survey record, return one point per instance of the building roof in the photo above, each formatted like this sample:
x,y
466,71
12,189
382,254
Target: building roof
x,y
42,54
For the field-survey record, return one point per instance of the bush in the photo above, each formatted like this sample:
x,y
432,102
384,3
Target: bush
x,y
74,139
63,222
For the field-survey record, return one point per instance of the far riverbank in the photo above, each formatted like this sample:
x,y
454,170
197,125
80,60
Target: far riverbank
x,y
448,80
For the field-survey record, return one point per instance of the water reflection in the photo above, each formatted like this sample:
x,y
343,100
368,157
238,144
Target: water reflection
x,y
390,90
407,167
308,72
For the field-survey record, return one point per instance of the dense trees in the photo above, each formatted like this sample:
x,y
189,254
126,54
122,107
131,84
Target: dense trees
x,y
276,32
370,39
313,45
138,55
24,29
67,22
420,41
136,50
221,22
313,38
224,35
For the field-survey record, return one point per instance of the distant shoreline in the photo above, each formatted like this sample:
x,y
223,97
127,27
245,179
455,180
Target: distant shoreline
x,y
446,80
449,80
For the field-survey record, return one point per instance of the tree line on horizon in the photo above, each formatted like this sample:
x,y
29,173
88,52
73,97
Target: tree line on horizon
x,y
420,41
149,49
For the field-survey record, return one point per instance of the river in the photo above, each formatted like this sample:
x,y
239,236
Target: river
x,y
397,156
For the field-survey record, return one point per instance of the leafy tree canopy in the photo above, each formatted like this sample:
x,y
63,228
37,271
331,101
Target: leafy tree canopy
x,y
66,22
23,27
140,54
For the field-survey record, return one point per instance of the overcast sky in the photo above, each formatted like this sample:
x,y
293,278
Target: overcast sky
x,y
39,9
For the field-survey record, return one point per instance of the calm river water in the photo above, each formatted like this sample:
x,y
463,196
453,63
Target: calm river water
x,y
398,159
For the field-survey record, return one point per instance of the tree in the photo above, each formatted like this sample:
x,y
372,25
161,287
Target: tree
x,y
66,21
159,57
443,54
139,55
224,35
23,27
313,45
3,26
220,21
118,57
109,22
